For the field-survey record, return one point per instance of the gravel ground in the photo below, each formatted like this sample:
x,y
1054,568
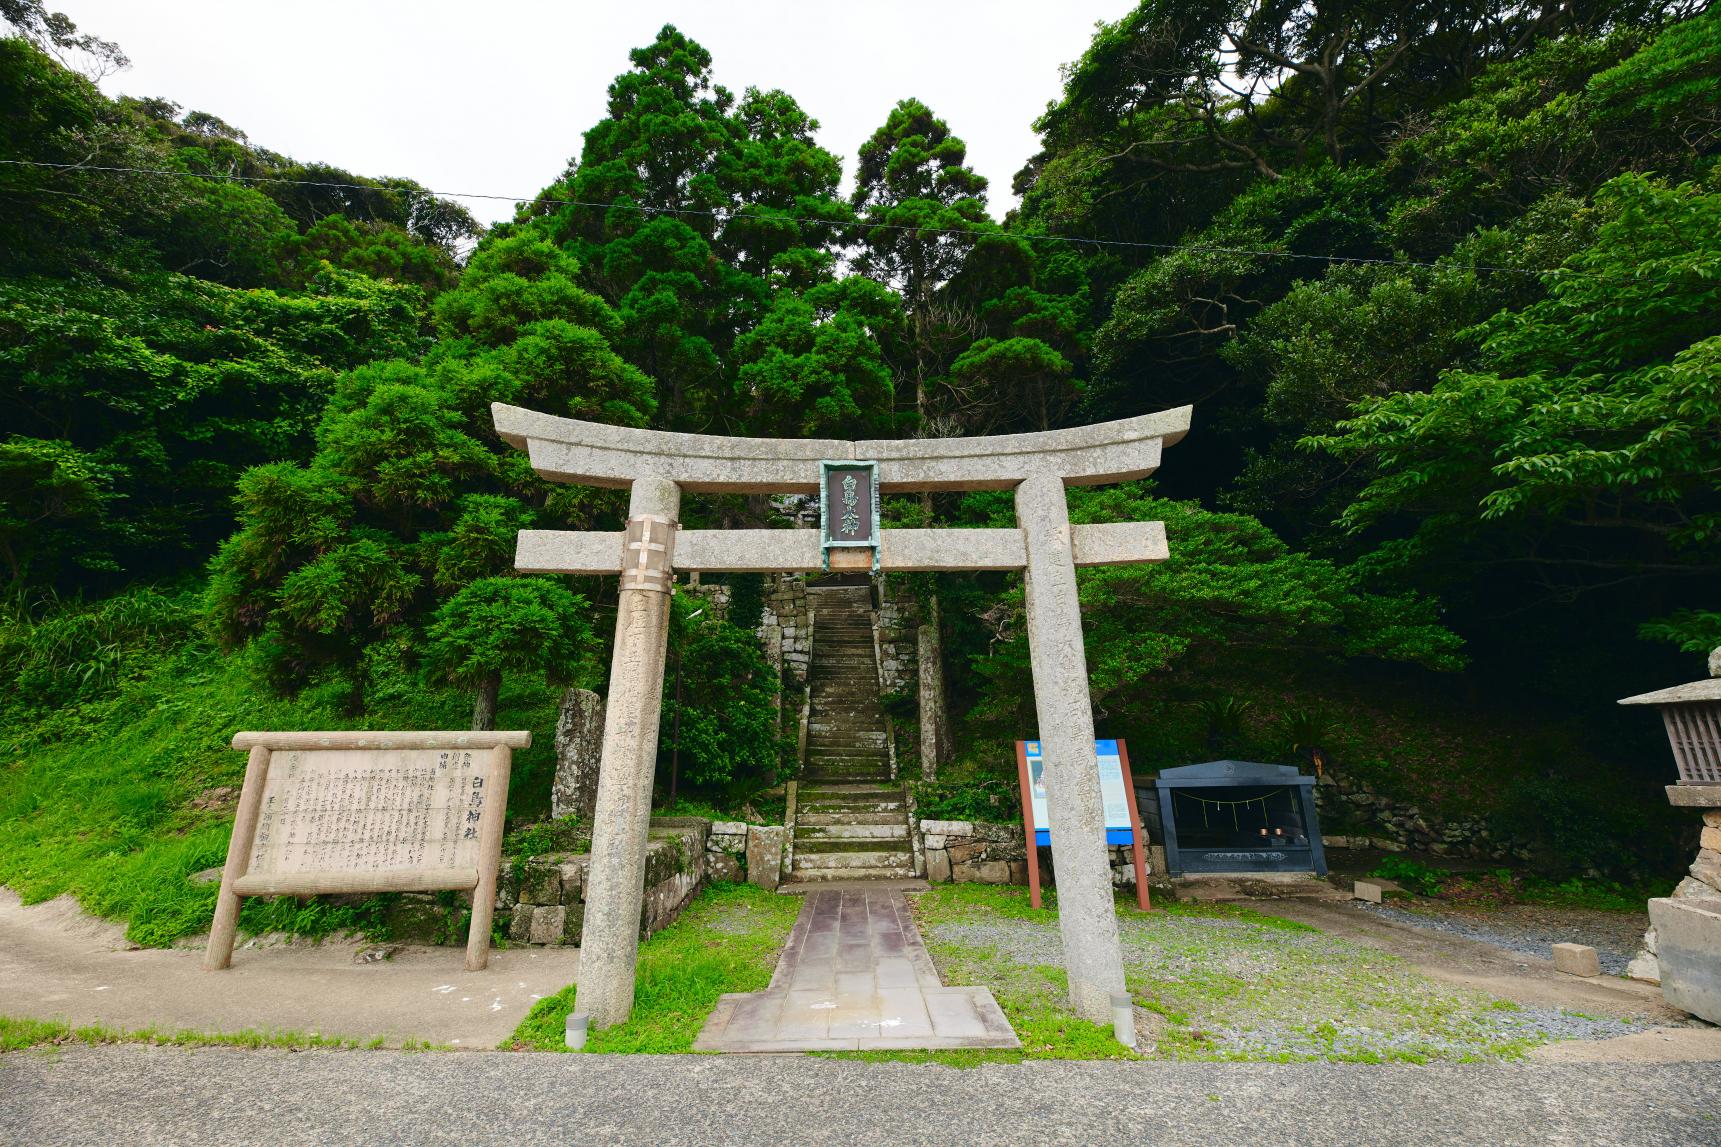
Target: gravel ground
x,y
1529,928
1230,984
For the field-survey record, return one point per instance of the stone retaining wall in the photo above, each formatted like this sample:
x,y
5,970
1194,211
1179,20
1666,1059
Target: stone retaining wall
x,y
545,897
898,647
785,621
975,852
1354,815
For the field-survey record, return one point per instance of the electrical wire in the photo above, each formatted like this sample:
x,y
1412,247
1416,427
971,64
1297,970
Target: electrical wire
x,y
723,214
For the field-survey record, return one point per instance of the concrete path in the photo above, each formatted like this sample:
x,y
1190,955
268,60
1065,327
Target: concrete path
x,y
854,976
59,963
144,1096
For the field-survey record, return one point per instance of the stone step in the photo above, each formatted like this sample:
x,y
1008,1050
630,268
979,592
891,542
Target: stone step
x,y
839,819
861,789
883,872
851,765
825,778
872,831
876,808
857,804
810,856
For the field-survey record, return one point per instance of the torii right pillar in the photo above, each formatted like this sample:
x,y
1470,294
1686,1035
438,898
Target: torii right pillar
x,y
1087,918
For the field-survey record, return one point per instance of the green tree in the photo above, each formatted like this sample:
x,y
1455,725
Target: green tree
x,y
1583,444
919,207
498,625
1232,598
723,719
411,501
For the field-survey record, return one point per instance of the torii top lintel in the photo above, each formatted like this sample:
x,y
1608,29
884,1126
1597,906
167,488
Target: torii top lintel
x,y
595,454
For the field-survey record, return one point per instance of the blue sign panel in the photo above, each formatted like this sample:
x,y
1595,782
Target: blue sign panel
x,y
1119,830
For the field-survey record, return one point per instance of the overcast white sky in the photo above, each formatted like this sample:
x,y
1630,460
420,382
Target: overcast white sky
x,y
492,97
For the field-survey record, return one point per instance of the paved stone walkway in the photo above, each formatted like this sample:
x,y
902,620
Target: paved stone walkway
x,y
855,977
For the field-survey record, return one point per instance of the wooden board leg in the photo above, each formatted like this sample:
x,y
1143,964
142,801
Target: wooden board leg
x,y
1138,833
1028,831
225,926
489,858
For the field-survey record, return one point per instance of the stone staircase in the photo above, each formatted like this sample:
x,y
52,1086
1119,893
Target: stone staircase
x,y
851,817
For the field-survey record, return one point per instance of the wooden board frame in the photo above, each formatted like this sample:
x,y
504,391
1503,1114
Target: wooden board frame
x,y
1138,833
481,881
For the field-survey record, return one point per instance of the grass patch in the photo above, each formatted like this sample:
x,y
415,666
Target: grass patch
x,y
727,940
1504,886
19,1034
101,799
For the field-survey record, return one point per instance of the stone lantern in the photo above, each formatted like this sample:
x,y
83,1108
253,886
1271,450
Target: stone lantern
x,y
1682,949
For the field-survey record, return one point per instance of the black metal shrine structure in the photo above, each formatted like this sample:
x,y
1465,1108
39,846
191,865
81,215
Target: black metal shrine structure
x,y
1238,816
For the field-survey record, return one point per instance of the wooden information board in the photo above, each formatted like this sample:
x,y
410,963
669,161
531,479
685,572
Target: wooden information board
x,y
368,812
1123,824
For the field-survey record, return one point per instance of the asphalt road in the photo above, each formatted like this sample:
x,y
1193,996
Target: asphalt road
x,y
147,1095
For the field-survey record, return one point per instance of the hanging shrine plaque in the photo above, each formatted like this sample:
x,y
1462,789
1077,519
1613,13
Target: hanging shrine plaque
x,y
848,515
368,812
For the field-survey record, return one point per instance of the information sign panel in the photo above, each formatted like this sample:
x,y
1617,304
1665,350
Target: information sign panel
x,y
1117,797
367,812
1118,824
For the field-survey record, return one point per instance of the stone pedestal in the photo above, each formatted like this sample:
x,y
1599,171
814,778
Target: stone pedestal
x,y
1688,944
1087,916
1682,949
609,944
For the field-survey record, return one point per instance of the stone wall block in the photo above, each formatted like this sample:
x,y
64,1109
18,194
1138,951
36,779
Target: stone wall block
x,y
938,869
520,925
507,888
547,923
765,855
541,884
1707,867
948,827
573,879
966,851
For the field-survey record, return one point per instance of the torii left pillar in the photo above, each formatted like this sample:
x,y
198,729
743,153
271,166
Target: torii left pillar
x,y
621,819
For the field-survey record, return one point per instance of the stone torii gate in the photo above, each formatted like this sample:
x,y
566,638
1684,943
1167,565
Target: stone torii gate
x,y
656,466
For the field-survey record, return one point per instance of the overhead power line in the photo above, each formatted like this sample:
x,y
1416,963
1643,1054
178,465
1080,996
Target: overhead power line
x,y
730,214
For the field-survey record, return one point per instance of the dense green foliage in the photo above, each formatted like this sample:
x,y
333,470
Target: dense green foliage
x,y
1439,281
160,333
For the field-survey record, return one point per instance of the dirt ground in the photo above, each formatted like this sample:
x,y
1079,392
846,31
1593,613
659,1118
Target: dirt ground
x,y
59,963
